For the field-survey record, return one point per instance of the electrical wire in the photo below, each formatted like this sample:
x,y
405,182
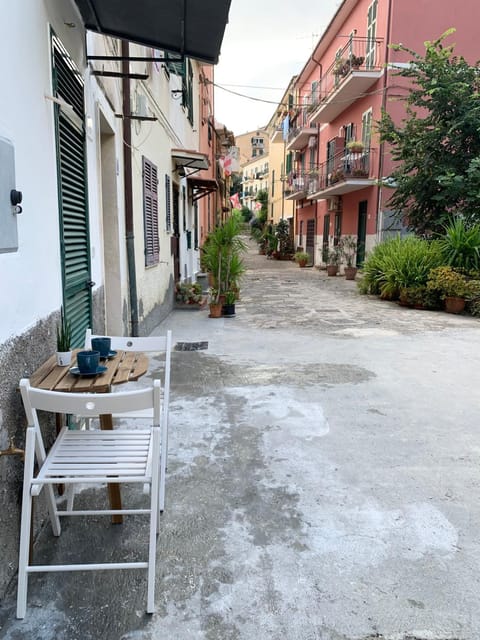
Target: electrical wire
x,y
298,105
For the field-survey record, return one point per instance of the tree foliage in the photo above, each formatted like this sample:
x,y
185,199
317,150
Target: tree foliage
x,y
437,144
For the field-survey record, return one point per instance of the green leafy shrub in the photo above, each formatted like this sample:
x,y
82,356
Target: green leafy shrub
x,y
473,303
447,282
460,245
399,263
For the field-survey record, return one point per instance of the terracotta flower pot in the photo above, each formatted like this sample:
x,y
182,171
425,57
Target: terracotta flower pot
x,y
332,269
454,304
215,310
350,273
302,263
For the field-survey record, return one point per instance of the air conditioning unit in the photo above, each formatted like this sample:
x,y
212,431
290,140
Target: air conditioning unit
x,y
333,203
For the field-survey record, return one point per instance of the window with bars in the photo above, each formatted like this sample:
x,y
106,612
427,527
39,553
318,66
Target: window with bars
x,y
150,212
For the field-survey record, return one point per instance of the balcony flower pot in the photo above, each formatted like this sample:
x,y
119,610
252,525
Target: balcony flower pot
x,y
355,146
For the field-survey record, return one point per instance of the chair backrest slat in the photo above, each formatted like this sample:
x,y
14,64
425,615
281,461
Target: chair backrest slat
x,y
90,404
125,343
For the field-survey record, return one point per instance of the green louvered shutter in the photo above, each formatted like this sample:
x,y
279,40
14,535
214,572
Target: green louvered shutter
x,y
72,189
150,212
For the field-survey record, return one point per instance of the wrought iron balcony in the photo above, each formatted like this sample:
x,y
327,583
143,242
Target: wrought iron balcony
x,y
299,136
353,71
277,133
343,173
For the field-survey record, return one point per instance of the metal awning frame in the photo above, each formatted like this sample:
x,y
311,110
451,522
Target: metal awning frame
x,y
201,187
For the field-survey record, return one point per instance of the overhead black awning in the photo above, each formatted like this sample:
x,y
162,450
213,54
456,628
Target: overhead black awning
x,y
194,28
201,187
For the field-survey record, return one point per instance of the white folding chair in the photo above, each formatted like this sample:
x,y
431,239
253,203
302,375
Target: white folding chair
x,y
149,344
80,457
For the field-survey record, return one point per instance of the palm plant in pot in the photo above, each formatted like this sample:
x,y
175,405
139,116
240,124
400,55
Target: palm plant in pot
x,y
64,341
348,249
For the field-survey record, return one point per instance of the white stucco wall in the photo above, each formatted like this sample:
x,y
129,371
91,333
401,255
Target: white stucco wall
x,y
30,281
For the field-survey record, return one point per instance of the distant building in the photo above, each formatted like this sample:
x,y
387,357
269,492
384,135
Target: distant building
x,y
336,100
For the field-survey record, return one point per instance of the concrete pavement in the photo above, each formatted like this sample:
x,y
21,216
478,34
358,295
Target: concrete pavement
x,y
324,480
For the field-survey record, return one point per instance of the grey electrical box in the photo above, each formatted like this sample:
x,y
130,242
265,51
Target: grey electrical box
x,y
8,212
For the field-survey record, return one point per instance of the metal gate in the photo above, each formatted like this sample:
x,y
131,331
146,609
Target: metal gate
x,y
310,240
72,193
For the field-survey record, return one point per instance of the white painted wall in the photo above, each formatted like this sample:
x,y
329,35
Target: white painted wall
x,y
30,283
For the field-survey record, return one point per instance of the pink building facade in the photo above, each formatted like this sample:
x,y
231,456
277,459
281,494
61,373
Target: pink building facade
x,y
338,98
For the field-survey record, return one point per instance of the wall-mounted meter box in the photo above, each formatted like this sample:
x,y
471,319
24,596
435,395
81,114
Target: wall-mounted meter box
x,y
8,211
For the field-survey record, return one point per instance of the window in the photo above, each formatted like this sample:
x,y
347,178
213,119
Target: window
x,y
273,182
175,64
168,204
371,34
349,130
315,96
187,86
150,212
367,129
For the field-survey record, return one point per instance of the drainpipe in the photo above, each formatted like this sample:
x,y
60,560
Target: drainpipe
x,y
127,179
384,103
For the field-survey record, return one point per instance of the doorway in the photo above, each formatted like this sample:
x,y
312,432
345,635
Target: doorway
x,y
111,231
361,231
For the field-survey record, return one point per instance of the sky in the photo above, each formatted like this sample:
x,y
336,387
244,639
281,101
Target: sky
x,y
266,42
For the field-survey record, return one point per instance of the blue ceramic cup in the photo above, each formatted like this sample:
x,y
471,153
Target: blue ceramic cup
x,y
103,345
88,361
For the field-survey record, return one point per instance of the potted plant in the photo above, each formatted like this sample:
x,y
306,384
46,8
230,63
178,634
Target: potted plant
x,y
214,303
228,308
339,68
356,61
64,341
451,286
348,249
188,293
333,261
301,257
355,146
336,175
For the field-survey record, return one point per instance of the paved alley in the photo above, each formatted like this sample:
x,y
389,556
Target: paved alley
x,y
323,481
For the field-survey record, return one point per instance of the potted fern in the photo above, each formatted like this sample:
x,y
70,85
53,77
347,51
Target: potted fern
x,y
64,341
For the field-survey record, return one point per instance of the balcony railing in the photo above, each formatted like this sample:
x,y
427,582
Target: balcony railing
x,y
358,55
347,170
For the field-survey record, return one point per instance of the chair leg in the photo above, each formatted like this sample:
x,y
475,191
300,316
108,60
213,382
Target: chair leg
x,y
70,496
25,524
163,464
152,546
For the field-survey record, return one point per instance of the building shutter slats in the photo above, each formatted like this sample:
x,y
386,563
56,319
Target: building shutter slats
x,y
150,213
75,251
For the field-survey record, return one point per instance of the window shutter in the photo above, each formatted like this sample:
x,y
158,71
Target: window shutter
x,y
150,212
176,64
168,204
